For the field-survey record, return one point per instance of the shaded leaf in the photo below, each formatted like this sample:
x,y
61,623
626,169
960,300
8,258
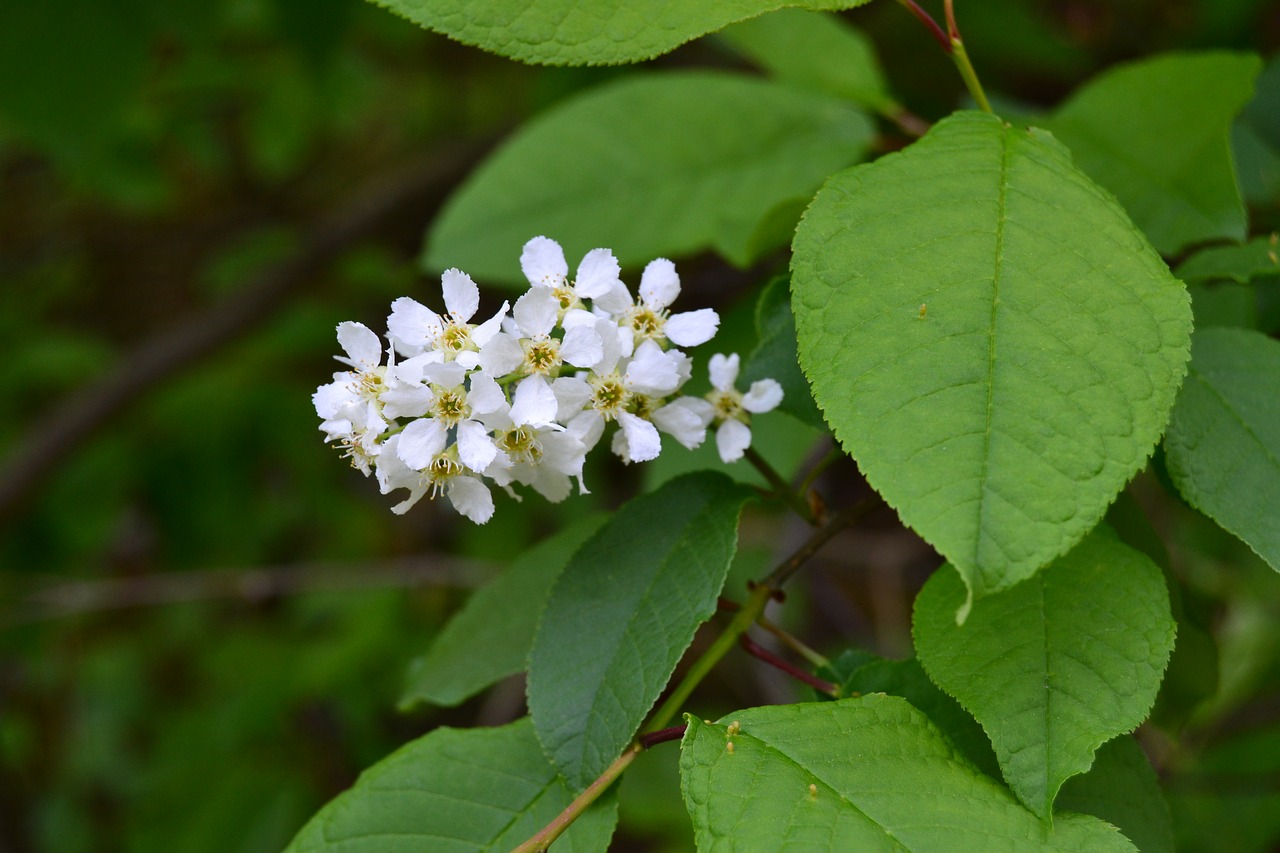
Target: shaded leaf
x,y
621,615
1240,263
815,50
455,791
489,638
855,775
1157,134
775,355
1122,789
1255,140
1055,666
1223,443
572,32
652,165
990,338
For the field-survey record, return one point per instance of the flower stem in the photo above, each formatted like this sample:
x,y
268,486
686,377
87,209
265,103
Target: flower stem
x,y
961,58
780,486
929,23
793,642
761,653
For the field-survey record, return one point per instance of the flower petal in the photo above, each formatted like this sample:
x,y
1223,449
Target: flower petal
x,y
615,301
481,334
536,312
329,399
724,371
420,442
363,347
651,371
471,498
543,263
692,328
412,326
597,273
732,439
407,400
501,355
642,440
486,396
572,395
461,296
582,347
587,427
534,403
764,396
475,448
448,374
685,420
659,284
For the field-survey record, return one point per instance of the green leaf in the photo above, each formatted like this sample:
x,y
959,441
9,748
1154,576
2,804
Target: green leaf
x,y
489,638
775,355
864,774
573,32
1255,140
1055,666
815,50
623,612
990,338
1240,263
651,165
1223,444
907,678
455,791
1157,134
1122,789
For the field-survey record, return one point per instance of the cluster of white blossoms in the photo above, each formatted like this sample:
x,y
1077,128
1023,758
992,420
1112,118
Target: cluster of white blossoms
x,y
523,396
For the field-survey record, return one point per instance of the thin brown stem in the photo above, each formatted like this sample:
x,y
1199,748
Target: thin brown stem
x,y
780,486
929,23
824,534
761,653
553,830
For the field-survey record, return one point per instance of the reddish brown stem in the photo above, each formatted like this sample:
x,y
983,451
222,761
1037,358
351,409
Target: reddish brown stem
x,y
929,23
758,651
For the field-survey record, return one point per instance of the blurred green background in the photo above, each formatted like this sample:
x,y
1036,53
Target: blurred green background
x,y
205,615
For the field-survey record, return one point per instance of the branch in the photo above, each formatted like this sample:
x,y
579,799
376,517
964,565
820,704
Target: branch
x,y
56,434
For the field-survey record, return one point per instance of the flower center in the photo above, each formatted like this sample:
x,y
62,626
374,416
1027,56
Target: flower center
x,y
451,406
646,322
727,405
521,444
442,469
566,297
455,338
609,396
542,356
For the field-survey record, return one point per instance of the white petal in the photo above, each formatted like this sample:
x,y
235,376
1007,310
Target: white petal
x,y
475,448
447,374
651,371
468,359
486,396
692,328
536,312
420,442
562,452
410,370
572,395
643,441
582,347
575,317
407,400
412,326
732,438
659,284
471,497
764,396
461,296
684,421
543,262
328,399
486,330
724,371
501,355
552,485
363,347
616,300
597,273
611,346
587,427
534,403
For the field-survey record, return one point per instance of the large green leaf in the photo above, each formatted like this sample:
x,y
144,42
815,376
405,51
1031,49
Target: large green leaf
x,y
489,638
1055,666
586,32
990,338
455,791
1122,789
815,50
1157,134
652,165
1223,444
868,774
623,612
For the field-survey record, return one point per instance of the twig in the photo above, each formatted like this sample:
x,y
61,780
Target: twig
x,y
761,653
58,433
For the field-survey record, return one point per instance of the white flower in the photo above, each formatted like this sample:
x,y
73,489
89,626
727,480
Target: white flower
x,y
649,319
686,419
415,329
543,263
442,473
454,407
731,407
542,457
350,407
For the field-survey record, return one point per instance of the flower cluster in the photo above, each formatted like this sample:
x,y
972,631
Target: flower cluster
x,y
523,396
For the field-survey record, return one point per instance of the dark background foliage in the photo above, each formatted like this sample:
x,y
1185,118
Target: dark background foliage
x,y
205,617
